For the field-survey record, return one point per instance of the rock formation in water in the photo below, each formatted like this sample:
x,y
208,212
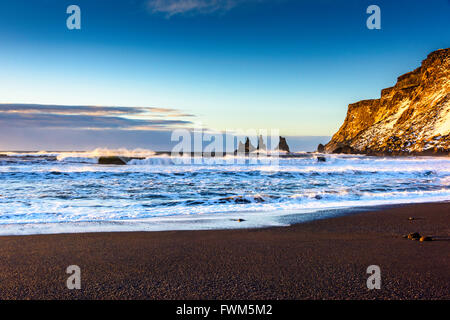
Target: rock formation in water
x,y
261,144
112,160
249,147
282,145
116,160
320,148
245,148
412,117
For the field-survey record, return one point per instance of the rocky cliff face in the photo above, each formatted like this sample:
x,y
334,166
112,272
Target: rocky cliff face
x,y
413,117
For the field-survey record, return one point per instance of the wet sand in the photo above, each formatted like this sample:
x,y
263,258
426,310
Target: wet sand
x,y
323,259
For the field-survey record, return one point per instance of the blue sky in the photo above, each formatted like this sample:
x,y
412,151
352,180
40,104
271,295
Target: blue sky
x,y
293,65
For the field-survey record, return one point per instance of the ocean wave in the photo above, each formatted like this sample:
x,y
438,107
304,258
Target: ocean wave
x,y
94,155
158,160
75,189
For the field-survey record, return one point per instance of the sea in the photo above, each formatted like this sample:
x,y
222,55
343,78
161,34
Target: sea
x,y
69,192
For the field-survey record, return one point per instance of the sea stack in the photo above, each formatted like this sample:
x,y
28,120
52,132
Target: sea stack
x,y
412,117
249,147
261,144
282,145
245,148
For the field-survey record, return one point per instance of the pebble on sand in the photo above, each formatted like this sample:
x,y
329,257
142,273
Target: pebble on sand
x,y
414,236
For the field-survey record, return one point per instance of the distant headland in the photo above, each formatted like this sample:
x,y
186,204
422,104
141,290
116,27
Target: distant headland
x,y
410,118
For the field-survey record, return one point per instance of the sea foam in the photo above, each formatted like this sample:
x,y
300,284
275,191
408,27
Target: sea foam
x,y
48,192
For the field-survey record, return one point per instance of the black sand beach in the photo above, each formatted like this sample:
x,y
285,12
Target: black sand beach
x,y
323,259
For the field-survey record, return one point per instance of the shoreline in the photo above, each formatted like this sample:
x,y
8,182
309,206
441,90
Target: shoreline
x,y
238,220
320,259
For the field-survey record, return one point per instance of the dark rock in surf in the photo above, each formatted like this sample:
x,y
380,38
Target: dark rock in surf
x,y
282,145
235,199
241,200
115,160
321,159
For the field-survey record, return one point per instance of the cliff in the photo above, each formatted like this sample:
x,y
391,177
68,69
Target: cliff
x,y
412,117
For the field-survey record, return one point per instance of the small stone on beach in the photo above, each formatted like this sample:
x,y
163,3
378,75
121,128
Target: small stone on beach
x,y
414,236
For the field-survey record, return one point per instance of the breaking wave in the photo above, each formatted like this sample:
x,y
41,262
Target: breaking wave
x,y
46,192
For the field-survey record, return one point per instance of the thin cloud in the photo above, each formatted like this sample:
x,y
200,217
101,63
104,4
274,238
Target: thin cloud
x,y
86,110
177,7
89,117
